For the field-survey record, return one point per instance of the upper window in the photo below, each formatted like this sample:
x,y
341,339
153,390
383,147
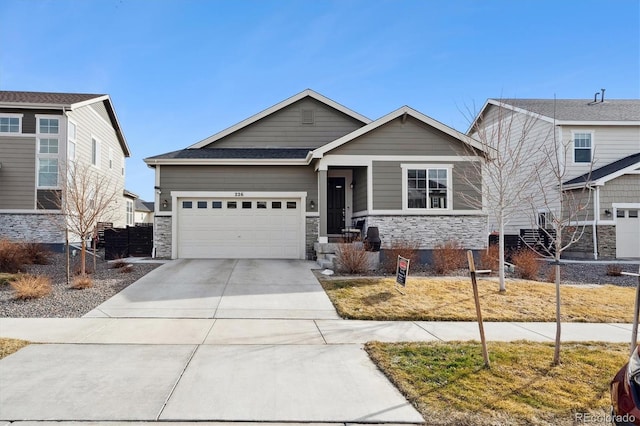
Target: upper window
x,y
95,152
48,172
582,147
9,124
49,125
48,146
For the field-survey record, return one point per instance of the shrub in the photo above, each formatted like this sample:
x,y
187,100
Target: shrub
x,y
527,264
12,257
614,270
448,257
81,282
31,286
490,258
36,253
118,263
406,249
126,269
352,258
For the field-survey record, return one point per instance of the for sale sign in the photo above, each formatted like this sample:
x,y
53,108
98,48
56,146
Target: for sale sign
x,y
402,271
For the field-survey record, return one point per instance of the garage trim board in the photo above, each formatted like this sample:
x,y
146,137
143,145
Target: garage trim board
x,y
238,224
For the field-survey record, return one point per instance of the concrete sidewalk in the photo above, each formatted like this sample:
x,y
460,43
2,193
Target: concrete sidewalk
x,y
164,331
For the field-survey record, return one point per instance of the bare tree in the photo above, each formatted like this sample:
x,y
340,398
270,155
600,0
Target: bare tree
x,y
511,142
87,197
568,211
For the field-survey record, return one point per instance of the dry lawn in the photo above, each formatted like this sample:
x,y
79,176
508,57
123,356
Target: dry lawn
x,y
9,346
451,299
448,384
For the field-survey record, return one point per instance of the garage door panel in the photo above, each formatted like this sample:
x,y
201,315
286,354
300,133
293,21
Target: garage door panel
x,y
241,232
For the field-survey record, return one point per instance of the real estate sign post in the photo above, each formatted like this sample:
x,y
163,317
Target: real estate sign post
x,y
402,270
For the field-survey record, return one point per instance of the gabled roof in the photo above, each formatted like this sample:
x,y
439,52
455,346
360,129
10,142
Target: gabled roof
x,y
143,206
321,151
606,173
572,111
233,155
64,101
305,93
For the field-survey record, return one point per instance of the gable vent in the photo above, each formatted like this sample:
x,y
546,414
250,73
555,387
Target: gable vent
x,y
307,116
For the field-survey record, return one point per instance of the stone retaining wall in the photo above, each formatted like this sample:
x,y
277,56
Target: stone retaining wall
x,y
32,227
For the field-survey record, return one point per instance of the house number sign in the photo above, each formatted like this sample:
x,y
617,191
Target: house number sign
x,y
239,194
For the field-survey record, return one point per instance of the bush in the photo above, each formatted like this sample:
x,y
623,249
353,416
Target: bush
x,y
352,258
406,249
126,269
614,270
448,257
31,286
36,253
527,264
81,282
490,258
118,263
12,257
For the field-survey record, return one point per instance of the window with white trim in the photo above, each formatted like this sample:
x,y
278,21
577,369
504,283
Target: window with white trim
x,y
130,219
95,152
10,123
582,147
48,152
427,187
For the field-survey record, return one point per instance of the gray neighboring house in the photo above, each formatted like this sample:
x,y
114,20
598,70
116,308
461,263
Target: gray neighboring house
x,y
602,138
304,170
39,133
143,212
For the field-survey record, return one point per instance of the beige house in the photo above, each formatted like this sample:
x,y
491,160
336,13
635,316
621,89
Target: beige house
x,y
39,134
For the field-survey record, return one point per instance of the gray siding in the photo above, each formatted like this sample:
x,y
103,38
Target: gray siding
x,y
18,172
395,138
29,116
101,109
238,178
284,128
467,181
387,185
360,189
625,189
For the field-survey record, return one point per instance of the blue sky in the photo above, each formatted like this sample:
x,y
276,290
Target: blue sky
x,y
181,70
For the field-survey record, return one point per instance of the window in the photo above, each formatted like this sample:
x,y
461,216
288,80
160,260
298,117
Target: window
x,y
633,214
202,204
10,124
130,220
545,220
48,172
261,204
582,146
291,204
276,204
48,125
246,204
187,204
619,213
216,205
48,146
232,205
427,187
95,152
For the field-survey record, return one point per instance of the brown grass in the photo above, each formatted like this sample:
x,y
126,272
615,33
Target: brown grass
x,y
406,249
351,258
451,299
447,257
31,286
36,253
527,264
9,346
447,383
81,282
12,257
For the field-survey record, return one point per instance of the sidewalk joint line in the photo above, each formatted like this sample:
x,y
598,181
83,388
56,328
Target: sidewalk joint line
x,y
320,331
531,331
175,385
427,331
226,284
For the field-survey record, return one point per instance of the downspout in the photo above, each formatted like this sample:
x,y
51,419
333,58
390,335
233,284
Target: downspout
x,y
596,217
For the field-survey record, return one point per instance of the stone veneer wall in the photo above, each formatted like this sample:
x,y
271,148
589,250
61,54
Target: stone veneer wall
x,y
312,231
162,236
583,248
32,227
427,231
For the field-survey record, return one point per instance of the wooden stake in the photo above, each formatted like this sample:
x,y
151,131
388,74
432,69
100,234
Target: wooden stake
x,y
636,311
476,298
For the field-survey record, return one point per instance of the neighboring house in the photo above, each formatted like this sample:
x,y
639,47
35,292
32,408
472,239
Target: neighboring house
x,y
306,169
602,141
143,211
39,134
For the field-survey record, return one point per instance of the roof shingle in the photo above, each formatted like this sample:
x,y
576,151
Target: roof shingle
x,y
45,98
236,153
580,109
607,170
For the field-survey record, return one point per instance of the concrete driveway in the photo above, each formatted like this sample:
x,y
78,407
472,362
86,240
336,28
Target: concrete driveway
x,y
223,288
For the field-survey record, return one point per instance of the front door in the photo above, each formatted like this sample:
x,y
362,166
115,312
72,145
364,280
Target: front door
x,y
335,205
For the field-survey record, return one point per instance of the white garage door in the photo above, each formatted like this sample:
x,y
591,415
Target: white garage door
x,y
245,228
627,233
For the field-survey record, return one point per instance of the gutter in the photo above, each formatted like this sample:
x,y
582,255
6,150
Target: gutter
x,y
596,218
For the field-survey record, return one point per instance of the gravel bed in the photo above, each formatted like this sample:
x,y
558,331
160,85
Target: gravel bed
x,y
64,302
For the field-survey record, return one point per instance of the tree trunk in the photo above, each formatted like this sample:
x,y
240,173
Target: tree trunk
x,y
83,256
503,286
556,353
